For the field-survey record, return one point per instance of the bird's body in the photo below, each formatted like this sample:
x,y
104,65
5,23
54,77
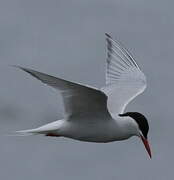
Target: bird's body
x,y
90,129
97,115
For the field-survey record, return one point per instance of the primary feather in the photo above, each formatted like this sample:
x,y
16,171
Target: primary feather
x,y
124,79
77,98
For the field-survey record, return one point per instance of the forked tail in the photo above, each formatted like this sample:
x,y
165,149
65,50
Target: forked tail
x,y
47,129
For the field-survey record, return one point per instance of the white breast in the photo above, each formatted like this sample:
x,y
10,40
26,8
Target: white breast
x,y
99,131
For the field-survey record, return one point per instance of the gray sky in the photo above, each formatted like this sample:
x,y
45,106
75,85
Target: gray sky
x,y
66,39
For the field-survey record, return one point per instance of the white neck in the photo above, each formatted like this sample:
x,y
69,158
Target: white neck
x,y
127,126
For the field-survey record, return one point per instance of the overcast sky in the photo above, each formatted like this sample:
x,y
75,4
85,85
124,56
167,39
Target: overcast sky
x,y
65,38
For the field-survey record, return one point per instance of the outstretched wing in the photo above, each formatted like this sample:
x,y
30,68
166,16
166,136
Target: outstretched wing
x,y
78,99
124,79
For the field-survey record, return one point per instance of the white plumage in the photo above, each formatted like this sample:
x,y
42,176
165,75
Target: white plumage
x,y
91,114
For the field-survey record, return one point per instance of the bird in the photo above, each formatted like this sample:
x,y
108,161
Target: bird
x,y
98,114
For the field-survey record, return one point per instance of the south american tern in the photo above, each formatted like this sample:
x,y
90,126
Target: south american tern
x,y
97,115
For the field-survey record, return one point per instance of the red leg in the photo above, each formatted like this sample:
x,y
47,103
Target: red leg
x,y
52,135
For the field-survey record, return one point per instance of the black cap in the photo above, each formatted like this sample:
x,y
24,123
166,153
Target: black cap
x,y
140,120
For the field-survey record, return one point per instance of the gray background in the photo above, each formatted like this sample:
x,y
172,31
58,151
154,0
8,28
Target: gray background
x,y
66,39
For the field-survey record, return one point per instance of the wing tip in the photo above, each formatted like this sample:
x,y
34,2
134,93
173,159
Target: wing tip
x,y
29,71
18,67
14,66
108,35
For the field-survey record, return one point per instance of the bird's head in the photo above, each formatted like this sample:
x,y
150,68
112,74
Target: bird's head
x,y
143,128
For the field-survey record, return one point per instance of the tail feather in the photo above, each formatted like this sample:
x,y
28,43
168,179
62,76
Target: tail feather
x,y
26,132
47,129
19,133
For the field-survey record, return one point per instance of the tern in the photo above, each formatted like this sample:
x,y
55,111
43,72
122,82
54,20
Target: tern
x,y
97,115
